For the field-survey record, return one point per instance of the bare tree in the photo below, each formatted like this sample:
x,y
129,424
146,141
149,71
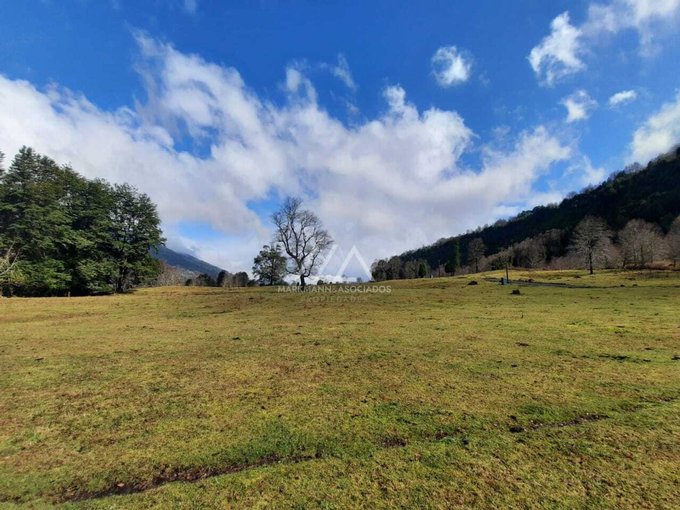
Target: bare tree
x,y
673,241
591,241
641,243
476,250
302,236
8,263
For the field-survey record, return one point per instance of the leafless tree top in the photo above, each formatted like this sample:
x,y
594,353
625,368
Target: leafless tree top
x,y
302,237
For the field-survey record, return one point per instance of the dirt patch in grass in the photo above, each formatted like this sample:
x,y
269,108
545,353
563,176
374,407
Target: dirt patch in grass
x,y
170,475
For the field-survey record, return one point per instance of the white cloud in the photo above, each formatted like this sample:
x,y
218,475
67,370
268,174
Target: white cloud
x,y
342,71
385,184
623,97
558,53
587,174
450,67
658,134
561,53
578,105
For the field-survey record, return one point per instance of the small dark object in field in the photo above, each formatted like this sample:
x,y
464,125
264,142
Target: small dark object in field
x,y
39,359
236,338
515,292
473,282
617,357
676,358
298,333
393,442
522,344
515,429
513,365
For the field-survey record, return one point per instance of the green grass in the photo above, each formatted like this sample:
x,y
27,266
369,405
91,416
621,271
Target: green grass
x,y
437,395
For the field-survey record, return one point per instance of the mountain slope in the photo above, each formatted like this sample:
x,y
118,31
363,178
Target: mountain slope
x,y
186,262
651,194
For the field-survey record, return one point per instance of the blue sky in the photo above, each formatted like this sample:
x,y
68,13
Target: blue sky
x,y
399,122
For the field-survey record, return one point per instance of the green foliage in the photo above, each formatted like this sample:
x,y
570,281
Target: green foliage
x,y
454,262
269,266
73,235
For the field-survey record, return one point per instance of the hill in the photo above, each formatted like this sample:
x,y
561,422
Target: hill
x,y
651,194
186,262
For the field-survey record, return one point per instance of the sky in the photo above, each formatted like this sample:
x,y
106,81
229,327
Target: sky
x,y
398,123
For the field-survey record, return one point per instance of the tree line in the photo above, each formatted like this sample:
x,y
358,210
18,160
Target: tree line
x,y
649,193
62,234
592,244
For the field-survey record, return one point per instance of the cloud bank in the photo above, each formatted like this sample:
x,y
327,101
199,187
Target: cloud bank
x,y
658,134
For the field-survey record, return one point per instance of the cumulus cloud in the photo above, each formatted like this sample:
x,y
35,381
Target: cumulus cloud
x,y
659,133
561,53
385,185
450,67
578,105
558,53
623,97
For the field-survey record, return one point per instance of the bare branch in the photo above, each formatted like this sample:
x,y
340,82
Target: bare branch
x,y
8,262
302,237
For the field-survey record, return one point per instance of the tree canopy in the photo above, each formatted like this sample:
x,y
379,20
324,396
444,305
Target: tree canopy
x,y
71,235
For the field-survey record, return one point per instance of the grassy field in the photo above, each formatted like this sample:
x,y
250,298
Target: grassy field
x,y
437,395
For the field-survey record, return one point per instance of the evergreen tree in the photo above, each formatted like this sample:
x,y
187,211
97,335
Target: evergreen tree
x,y
135,231
269,265
73,235
454,262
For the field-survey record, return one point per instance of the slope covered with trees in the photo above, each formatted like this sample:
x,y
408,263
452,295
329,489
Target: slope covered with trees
x,y
67,235
185,262
651,194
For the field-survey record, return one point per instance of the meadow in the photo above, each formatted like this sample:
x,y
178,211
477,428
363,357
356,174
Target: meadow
x,y
438,394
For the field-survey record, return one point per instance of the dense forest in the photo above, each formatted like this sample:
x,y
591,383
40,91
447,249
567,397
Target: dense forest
x,y
543,237
62,234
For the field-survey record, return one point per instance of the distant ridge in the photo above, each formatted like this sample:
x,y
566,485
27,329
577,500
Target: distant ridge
x,y
186,262
650,193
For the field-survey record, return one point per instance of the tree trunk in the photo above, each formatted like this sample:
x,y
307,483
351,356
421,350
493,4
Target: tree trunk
x,y
590,262
303,284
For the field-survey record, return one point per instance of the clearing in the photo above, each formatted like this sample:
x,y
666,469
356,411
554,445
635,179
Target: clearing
x,y
435,395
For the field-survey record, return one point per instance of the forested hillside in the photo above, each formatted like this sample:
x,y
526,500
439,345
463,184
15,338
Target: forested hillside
x,y
651,194
186,262
62,234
